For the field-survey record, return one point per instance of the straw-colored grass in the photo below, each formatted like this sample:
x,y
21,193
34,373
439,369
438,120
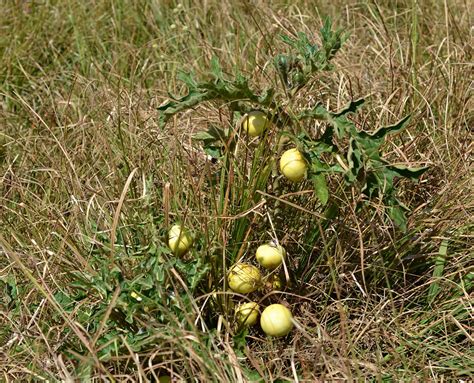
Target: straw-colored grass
x,y
89,184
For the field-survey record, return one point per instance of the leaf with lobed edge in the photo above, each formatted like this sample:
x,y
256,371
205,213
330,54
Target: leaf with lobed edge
x,y
219,88
407,172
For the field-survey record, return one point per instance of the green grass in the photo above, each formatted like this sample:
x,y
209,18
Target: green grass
x,y
90,183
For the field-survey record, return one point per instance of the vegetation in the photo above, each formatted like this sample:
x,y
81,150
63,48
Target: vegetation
x,y
122,119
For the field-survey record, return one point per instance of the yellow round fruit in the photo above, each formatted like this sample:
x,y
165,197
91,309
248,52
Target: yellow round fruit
x,y
180,240
255,123
164,379
247,313
276,320
270,255
293,165
244,278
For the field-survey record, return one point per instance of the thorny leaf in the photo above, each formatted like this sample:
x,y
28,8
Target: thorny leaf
x,y
233,91
364,156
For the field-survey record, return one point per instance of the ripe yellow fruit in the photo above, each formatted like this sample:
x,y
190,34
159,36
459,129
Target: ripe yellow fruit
x,y
270,255
247,313
293,165
179,239
244,278
255,123
276,320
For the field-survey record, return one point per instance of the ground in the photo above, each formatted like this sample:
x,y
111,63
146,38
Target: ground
x,y
92,178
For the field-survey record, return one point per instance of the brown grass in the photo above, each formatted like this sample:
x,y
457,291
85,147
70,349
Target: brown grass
x,y
82,157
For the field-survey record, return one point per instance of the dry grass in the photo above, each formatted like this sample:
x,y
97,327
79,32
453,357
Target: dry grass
x,y
88,182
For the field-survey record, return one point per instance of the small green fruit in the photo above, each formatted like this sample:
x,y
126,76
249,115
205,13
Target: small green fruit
x,y
275,283
293,165
255,123
179,240
276,320
247,313
244,278
270,255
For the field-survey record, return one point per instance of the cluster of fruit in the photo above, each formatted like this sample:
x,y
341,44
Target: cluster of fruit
x,y
243,278
276,319
292,163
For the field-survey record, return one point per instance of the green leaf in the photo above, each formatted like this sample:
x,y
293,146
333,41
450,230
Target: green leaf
x,y
170,108
372,185
193,272
218,133
214,152
10,289
385,181
351,107
332,40
331,211
213,141
321,188
188,79
318,112
343,125
316,165
440,262
371,142
253,376
216,68
64,300
314,148
397,214
391,129
338,119
143,282
282,65
407,172
231,91
203,136
307,58
354,159
301,44
240,341
328,136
